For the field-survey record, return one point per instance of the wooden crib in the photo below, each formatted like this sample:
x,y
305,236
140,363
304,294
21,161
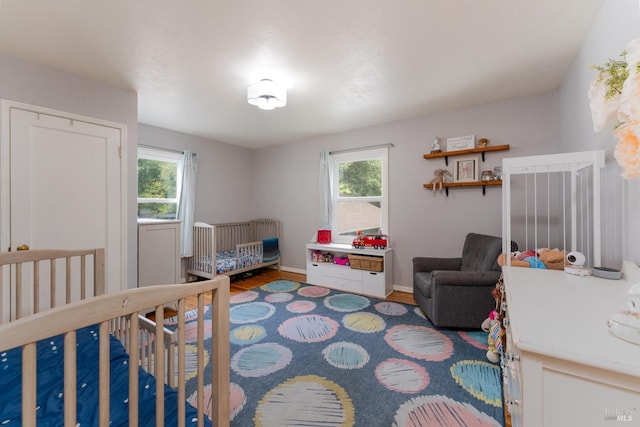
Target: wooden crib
x,y
233,248
31,323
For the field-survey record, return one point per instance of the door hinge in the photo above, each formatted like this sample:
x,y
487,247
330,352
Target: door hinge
x,y
120,151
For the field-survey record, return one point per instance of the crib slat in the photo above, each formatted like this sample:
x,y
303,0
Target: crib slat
x,y
220,353
29,354
104,386
182,398
70,380
134,360
159,365
200,358
18,291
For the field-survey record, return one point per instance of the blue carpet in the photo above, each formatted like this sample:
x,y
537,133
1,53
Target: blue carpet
x,y
304,355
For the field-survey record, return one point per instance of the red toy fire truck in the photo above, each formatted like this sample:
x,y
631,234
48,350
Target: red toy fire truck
x,y
375,241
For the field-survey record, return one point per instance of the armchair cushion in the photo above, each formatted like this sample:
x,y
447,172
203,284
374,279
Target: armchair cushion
x,y
480,253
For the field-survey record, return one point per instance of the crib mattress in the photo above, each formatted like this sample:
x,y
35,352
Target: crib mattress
x,y
50,399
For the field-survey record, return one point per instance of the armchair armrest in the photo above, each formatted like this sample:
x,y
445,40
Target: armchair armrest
x,y
464,278
426,264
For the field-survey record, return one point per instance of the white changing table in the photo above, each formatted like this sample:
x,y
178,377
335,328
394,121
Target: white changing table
x,y
562,366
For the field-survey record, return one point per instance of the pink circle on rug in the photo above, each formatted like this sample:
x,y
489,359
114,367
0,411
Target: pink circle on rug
x,y
243,297
403,376
419,342
473,339
301,306
391,308
313,291
191,331
440,410
279,297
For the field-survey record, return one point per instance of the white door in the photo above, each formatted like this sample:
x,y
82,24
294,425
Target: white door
x,y
63,186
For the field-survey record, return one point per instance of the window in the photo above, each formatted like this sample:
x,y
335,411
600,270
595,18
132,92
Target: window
x,y
158,183
359,194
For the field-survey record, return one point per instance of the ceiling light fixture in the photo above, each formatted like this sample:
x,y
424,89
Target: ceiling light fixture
x,y
266,95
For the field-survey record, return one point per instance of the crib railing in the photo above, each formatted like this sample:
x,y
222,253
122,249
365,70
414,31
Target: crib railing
x,y
35,280
102,310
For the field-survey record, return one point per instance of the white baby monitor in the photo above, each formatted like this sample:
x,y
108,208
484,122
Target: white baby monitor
x,y
576,259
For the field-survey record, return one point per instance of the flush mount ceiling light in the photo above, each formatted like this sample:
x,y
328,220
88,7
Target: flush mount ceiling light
x,y
266,95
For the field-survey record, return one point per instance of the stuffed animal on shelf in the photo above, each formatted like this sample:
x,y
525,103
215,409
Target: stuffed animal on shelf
x,y
439,177
552,259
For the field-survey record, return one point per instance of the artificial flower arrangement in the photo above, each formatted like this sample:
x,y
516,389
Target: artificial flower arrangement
x,y
615,100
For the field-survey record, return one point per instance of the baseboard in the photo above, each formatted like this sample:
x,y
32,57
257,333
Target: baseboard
x,y
400,288
293,270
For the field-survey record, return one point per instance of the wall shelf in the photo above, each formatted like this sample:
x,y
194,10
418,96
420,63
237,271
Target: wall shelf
x,y
483,184
476,150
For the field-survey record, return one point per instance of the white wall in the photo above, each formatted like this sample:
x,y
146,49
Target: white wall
x,y
421,223
224,186
617,23
37,85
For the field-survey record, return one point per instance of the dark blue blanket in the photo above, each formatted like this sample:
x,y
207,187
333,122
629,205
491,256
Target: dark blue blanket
x,y
50,399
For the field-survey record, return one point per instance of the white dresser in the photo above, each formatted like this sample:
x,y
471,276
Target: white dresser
x,y
342,277
158,252
562,367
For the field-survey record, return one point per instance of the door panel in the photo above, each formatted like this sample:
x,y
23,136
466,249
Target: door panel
x,y
65,187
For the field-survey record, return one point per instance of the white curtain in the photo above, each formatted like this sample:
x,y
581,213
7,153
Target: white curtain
x,y
326,187
187,201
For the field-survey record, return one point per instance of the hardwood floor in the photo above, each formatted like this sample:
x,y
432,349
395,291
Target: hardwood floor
x,y
266,275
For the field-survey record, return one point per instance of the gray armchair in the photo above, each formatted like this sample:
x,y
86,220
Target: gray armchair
x,y
456,292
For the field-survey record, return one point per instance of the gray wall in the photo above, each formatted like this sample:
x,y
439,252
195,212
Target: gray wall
x,y
617,23
224,186
37,85
421,223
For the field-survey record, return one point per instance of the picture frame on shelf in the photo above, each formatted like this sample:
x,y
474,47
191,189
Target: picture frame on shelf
x,y
466,169
461,143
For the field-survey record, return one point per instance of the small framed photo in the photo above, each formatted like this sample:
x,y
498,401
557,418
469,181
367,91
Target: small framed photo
x,y
466,169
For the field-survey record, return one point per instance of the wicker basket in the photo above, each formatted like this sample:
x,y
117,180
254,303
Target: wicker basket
x,y
369,263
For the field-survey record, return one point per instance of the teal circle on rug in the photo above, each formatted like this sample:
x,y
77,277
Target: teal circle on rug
x,y
248,334
259,360
251,312
346,302
346,355
281,286
480,379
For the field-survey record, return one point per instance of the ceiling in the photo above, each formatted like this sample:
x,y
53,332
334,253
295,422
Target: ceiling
x,y
346,64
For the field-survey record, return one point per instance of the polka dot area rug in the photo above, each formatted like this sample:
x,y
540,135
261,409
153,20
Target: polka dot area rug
x,y
305,355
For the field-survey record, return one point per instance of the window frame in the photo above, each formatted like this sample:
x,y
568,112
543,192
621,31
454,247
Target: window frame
x,y
354,156
162,155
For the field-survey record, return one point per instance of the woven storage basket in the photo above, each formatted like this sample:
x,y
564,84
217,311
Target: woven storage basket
x,y
369,263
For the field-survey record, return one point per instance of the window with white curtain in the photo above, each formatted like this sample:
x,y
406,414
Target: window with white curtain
x,y
158,183
359,194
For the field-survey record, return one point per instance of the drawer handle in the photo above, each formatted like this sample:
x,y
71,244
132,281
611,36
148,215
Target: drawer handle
x,y
505,322
513,357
